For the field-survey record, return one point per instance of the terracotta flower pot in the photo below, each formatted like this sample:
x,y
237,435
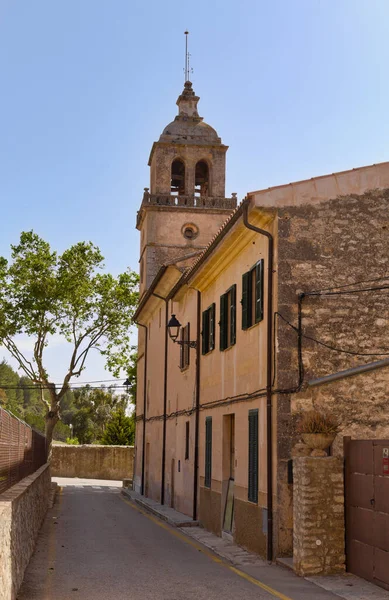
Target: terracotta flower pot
x,y
318,441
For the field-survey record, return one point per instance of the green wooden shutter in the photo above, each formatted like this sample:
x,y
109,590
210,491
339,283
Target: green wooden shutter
x,y
204,333
212,314
208,452
259,291
233,315
253,456
245,300
223,322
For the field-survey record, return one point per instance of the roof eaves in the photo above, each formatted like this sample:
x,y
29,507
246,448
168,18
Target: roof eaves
x,y
149,292
225,228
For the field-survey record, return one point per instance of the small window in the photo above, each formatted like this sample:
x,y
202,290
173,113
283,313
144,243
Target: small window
x,y
187,440
253,456
189,233
252,296
184,348
208,452
228,318
208,332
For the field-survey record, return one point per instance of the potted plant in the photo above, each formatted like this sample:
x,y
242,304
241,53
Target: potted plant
x,y
318,430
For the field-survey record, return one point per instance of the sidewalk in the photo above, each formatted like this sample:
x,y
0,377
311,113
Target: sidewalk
x,y
345,586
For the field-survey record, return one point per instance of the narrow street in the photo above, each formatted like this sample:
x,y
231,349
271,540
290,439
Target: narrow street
x,y
96,545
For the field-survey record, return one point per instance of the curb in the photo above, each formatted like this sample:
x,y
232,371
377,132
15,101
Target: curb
x,y
156,513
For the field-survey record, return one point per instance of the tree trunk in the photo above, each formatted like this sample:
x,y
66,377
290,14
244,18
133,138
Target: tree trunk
x,y
52,418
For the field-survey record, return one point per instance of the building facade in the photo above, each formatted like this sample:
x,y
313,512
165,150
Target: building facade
x,y
276,295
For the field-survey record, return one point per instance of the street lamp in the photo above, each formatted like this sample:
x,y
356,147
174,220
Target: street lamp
x,y
71,430
173,328
127,384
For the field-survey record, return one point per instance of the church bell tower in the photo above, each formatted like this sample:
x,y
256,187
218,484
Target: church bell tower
x,y
185,205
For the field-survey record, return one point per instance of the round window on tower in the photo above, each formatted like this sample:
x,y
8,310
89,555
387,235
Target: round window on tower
x,y
190,231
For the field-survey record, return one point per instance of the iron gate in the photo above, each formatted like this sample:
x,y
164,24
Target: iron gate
x,y
367,509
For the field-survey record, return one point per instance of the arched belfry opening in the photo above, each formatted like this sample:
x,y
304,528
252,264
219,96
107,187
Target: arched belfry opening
x,y
202,179
178,178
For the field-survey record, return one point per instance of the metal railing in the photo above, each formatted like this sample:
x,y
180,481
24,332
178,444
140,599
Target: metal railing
x,y
22,450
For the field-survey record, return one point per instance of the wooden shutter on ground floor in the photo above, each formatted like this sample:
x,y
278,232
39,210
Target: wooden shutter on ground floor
x,y
253,456
208,452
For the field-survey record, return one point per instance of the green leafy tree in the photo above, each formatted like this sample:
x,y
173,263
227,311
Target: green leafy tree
x,y
119,431
131,376
84,427
43,294
12,396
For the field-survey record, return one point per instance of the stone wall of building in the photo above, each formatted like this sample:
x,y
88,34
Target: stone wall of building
x,y
323,244
318,512
22,510
93,462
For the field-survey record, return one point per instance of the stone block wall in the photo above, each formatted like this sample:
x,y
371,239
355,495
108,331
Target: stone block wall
x,y
22,510
321,244
318,516
93,462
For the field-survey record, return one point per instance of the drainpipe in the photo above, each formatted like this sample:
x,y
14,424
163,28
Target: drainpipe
x,y
142,491
269,353
164,405
197,416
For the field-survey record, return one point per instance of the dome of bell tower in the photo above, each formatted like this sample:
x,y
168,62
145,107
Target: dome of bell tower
x,y
188,127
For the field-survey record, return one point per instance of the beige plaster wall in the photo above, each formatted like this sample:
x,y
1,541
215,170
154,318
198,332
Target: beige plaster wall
x,y
22,510
241,369
93,462
181,395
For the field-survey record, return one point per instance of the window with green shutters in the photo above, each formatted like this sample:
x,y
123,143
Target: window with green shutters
x,y
208,452
253,456
228,318
252,295
208,329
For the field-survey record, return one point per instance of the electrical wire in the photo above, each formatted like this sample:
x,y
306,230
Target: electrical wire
x,y
338,287
308,337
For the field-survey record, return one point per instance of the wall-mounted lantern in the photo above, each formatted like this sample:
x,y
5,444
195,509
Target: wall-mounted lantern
x,y
173,328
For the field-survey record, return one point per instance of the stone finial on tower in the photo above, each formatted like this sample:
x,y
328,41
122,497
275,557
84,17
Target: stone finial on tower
x,y
187,102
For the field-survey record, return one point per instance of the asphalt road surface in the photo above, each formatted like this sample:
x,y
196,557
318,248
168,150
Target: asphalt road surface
x,y
96,545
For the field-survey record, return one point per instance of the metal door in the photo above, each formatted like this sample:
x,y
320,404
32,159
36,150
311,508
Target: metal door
x,y
367,509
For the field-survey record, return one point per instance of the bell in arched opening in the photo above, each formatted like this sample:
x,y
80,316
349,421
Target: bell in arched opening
x,y
178,178
202,179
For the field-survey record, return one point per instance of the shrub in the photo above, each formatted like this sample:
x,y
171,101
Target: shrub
x,y
314,421
120,430
73,441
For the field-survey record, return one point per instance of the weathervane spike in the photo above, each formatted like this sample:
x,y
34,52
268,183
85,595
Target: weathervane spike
x,y
187,69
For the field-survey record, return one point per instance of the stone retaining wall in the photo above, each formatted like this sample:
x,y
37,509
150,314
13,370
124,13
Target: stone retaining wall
x,y
318,516
93,462
22,510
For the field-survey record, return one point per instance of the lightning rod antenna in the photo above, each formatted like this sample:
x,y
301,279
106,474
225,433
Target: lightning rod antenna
x,y
187,69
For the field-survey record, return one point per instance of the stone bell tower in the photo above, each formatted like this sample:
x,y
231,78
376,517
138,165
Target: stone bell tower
x,y
185,204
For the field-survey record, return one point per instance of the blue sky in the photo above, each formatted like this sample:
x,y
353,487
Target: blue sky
x,y
296,88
